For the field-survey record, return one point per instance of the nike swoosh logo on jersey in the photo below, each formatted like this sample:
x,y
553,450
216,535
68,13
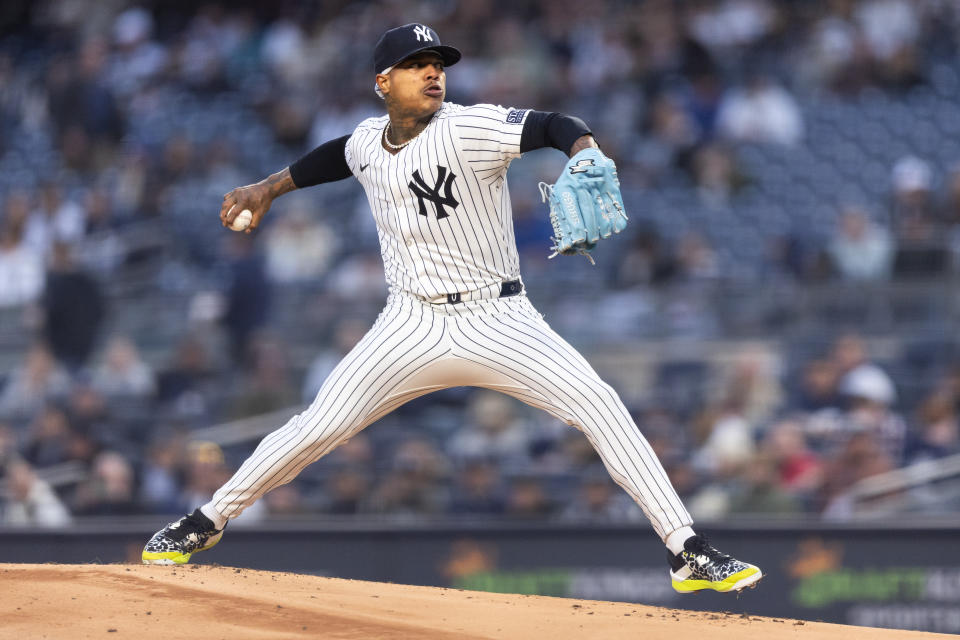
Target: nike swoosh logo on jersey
x,y
364,166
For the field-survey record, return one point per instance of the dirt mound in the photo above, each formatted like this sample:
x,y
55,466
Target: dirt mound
x,y
202,601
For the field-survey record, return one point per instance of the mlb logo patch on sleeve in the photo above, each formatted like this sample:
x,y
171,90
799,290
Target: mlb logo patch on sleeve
x,y
516,116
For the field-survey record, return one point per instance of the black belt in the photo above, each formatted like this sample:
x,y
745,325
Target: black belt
x,y
507,289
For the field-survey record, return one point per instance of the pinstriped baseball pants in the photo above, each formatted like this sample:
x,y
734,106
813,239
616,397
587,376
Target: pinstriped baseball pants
x,y
414,348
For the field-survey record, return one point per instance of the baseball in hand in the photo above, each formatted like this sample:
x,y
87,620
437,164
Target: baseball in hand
x,y
242,221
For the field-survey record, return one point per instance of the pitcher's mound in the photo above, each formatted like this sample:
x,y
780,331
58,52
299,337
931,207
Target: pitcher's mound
x,y
199,601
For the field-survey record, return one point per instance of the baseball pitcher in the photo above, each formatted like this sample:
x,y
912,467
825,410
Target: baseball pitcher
x,y
457,313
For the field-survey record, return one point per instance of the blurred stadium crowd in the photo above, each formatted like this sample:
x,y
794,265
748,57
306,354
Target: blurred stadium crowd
x,y
791,173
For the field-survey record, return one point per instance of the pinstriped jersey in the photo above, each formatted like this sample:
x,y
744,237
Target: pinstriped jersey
x,y
441,204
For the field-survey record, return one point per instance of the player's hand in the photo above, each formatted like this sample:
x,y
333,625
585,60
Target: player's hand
x,y
256,197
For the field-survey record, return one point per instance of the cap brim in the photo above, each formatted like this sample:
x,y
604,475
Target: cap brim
x,y
449,55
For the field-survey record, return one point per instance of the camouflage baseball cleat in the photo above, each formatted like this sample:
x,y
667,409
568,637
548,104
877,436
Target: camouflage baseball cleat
x,y
700,566
175,543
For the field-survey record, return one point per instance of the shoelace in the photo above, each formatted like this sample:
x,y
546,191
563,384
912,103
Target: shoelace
x,y
183,527
702,546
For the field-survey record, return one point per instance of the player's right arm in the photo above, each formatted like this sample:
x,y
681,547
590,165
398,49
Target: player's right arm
x,y
326,163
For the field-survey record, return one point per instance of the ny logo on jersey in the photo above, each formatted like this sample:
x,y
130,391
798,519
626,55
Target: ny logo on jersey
x,y
581,166
423,33
425,192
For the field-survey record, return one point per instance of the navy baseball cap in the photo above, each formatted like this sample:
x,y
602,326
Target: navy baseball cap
x,y
401,43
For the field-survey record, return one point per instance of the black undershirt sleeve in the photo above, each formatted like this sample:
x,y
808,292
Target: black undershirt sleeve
x,y
326,163
551,129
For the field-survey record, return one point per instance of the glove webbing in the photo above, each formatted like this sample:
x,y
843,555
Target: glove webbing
x,y
546,191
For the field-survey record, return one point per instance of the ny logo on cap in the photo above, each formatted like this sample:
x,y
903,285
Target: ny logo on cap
x,y
423,33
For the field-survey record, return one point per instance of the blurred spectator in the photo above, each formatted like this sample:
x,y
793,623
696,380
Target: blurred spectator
x,y
730,23
28,500
599,500
799,470
646,262
716,175
358,277
493,430
890,30
109,490
950,215
921,244
848,352
530,227
50,438
761,112
937,434
357,453
696,259
860,457
91,417
347,492
248,296
162,474
8,444
415,485
37,380
184,382
266,386
298,249
21,267
527,499
179,159
758,490
82,105
670,139
834,56
728,442
817,388
702,95
477,489
137,59
122,373
286,500
751,381
346,335
74,309
101,250
56,219
861,250
869,394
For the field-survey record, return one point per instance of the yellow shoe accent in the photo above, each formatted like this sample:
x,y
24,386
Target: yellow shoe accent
x,y
176,557
167,557
734,582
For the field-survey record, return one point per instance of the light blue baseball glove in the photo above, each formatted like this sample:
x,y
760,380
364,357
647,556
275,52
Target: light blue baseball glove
x,y
585,204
